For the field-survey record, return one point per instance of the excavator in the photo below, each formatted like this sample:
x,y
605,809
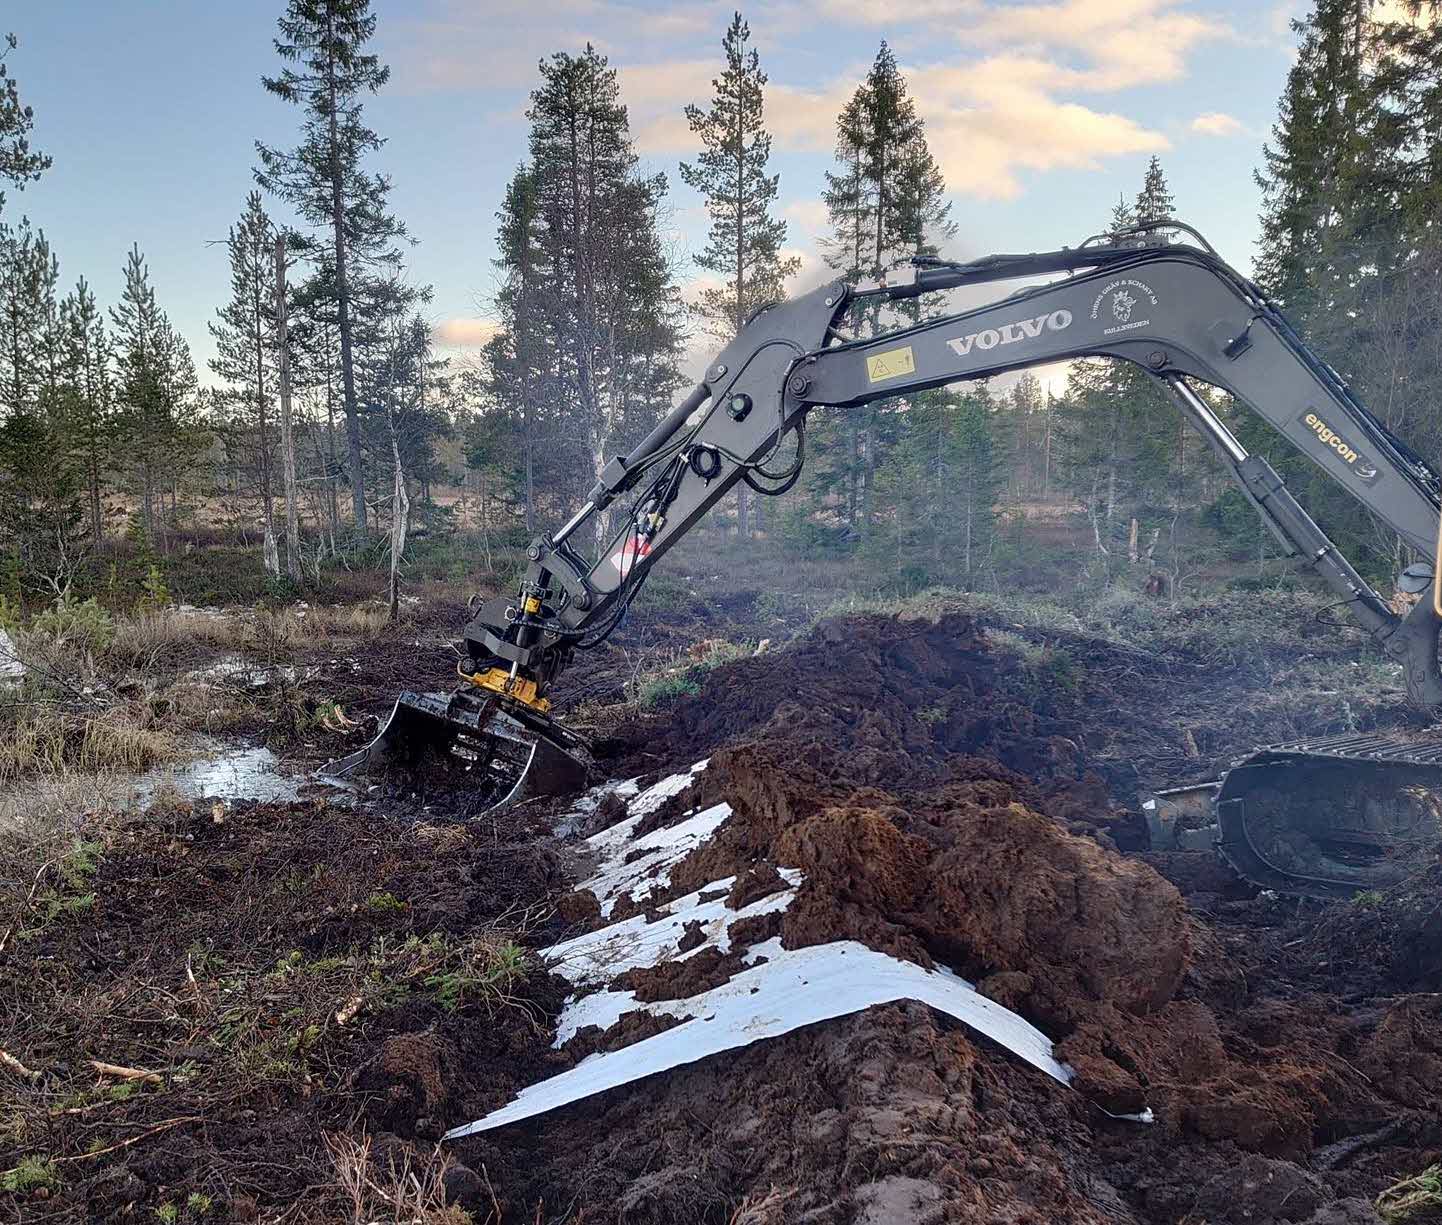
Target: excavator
x,y
1323,818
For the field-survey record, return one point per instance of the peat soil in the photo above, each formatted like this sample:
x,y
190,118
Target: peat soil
x,y
933,791
301,970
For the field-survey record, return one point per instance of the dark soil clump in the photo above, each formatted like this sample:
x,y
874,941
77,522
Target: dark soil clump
x,y
296,971
945,808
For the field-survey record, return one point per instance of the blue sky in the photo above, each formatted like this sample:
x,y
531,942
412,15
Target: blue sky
x,y
1039,113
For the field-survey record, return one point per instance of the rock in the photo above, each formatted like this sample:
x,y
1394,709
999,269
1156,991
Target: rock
x,y
12,669
1260,1189
463,1185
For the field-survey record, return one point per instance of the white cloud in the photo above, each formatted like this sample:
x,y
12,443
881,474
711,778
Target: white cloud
x,y
1215,123
463,333
1006,89
811,274
809,216
1122,43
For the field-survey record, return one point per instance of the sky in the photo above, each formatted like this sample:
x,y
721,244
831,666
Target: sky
x,y
1040,114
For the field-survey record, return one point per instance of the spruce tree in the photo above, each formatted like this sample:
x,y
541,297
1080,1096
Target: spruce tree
x,y
323,177
936,493
1154,200
1338,247
1121,449
245,341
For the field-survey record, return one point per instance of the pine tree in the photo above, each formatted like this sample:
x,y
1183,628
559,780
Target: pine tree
x,y
244,331
323,177
28,274
888,203
745,241
91,395
19,163
612,311
519,369
156,390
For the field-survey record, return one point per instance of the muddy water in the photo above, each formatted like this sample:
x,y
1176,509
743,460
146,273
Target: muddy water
x,y
249,773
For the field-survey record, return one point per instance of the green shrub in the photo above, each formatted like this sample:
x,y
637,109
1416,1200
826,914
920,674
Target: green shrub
x,y
667,688
76,623
30,1175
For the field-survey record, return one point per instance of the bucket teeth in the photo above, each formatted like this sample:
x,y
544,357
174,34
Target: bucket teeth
x,y
507,757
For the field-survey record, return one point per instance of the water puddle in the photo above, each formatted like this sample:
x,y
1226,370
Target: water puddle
x,y
228,774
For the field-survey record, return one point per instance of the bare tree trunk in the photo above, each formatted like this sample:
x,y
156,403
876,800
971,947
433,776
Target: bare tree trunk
x,y
287,435
1046,453
270,553
333,461
257,308
148,491
342,294
97,523
400,522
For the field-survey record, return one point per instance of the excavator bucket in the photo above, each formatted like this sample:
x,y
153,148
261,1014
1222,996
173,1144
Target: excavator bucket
x,y
503,756
1326,818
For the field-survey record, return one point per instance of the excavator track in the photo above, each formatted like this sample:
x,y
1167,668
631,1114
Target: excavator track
x,y
1334,816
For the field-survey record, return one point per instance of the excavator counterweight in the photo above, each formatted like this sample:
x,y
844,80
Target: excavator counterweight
x,y
1305,818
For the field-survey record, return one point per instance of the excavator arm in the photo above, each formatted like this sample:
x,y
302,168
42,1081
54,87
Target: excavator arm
x,y
1323,818
1177,311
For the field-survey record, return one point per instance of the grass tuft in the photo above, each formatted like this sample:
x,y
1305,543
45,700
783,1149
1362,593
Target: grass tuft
x,y
1418,1198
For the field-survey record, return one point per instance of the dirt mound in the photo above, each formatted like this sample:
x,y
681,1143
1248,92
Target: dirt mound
x,y
899,704
1388,939
889,1115
930,788
966,874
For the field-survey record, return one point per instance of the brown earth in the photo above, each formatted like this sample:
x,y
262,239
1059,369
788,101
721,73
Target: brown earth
x,y
947,801
930,795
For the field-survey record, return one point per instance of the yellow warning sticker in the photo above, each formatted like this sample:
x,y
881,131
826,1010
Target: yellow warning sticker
x,y
890,365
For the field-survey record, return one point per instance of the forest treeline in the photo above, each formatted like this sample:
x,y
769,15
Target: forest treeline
x,y
327,420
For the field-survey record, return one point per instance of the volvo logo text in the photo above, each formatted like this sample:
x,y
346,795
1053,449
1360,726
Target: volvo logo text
x,y
1010,333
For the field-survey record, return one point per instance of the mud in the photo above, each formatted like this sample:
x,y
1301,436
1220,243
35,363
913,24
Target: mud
x,y
942,809
946,801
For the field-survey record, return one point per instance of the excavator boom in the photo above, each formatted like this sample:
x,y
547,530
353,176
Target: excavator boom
x,y
1176,310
